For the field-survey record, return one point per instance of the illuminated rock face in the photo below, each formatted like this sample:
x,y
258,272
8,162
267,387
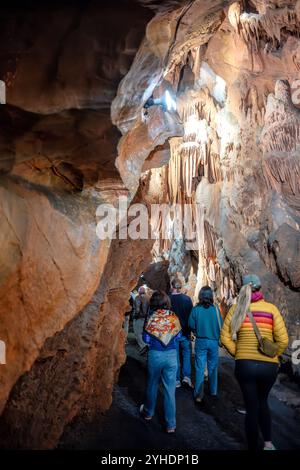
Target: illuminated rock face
x,y
239,154
232,147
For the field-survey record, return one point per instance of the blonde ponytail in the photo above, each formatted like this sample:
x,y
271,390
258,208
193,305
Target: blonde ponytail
x,y
241,309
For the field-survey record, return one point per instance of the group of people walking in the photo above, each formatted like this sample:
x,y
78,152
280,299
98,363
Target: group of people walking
x,y
253,332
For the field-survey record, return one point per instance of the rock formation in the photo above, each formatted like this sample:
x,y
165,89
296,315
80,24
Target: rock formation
x,y
57,159
75,133
238,158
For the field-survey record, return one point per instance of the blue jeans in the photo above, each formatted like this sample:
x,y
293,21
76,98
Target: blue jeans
x,y
162,365
206,351
184,344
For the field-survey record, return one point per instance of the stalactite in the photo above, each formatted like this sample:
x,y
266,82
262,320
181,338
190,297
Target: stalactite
x,y
234,13
280,142
210,239
191,157
198,217
200,104
214,173
297,10
279,170
211,270
196,52
225,287
266,26
285,137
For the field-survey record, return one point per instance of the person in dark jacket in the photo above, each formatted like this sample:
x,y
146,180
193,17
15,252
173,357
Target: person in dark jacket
x,y
161,333
140,312
182,305
206,322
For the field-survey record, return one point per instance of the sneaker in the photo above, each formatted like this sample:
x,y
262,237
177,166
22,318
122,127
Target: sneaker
x,y
143,414
187,381
178,384
171,431
198,399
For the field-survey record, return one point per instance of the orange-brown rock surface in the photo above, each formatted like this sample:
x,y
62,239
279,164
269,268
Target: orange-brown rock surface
x,y
77,367
63,291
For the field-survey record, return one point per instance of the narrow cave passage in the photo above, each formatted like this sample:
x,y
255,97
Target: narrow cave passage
x,y
212,425
154,137
208,427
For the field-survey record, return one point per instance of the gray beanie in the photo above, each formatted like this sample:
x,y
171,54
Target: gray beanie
x,y
251,279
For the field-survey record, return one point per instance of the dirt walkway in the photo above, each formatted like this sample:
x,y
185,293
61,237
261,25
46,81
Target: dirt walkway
x,y
212,425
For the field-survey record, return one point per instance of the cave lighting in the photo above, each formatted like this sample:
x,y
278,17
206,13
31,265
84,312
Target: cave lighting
x,y
167,102
170,101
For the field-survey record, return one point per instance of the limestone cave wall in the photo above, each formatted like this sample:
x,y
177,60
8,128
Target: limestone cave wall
x,y
63,291
75,134
234,69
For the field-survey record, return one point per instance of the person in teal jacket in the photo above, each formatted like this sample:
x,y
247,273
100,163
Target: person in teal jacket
x,y
206,323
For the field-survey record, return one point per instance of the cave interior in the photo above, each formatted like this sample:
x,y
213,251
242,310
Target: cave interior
x,y
193,105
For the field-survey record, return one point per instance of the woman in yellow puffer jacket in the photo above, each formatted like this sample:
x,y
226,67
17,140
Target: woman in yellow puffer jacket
x,y
255,372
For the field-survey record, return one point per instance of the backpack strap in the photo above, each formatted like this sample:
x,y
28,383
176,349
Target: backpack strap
x,y
255,327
